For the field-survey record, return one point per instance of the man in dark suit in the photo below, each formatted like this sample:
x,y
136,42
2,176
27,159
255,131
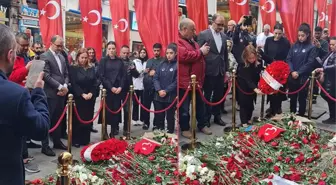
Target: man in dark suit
x,y
216,66
21,114
56,88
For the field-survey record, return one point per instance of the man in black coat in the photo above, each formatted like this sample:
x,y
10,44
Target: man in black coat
x,y
131,73
23,114
217,66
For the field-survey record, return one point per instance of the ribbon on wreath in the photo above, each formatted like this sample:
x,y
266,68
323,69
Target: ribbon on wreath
x,y
271,81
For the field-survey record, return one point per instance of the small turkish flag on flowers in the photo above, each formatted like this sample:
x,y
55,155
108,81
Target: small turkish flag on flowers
x,y
268,132
145,146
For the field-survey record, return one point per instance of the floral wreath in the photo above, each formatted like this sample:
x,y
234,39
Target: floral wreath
x,y
274,77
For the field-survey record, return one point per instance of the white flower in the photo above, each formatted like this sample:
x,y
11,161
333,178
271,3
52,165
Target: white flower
x,y
190,170
83,177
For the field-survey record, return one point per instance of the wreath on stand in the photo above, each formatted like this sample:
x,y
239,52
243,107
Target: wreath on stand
x,y
273,77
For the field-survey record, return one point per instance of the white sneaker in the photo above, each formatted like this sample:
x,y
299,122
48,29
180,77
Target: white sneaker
x,y
135,123
140,123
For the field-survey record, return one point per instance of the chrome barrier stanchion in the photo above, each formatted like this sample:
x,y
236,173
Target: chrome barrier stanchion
x,y
311,94
130,100
64,168
193,144
70,106
103,124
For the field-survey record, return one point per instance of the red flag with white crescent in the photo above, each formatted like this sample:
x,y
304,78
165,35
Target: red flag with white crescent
x,y
50,19
322,12
238,8
268,12
91,15
269,132
120,22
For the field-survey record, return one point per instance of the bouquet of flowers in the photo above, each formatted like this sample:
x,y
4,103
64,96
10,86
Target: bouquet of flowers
x,y
274,77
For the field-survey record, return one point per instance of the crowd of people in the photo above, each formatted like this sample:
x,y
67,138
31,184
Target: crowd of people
x,y
214,53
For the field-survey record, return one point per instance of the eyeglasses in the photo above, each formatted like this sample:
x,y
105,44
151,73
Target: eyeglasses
x,y
59,46
219,24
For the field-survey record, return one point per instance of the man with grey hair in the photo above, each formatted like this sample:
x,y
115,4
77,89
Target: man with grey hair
x,y
21,114
231,27
56,88
261,38
190,62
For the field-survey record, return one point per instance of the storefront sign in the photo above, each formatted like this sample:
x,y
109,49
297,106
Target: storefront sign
x,y
182,1
29,12
3,14
30,23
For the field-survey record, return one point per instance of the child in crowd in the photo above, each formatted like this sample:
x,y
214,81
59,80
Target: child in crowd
x,y
165,84
248,77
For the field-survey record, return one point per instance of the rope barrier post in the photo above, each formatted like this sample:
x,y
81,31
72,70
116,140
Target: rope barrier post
x,y
262,108
103,124
70,104
311,94
130,99
193,112
64,165
234,100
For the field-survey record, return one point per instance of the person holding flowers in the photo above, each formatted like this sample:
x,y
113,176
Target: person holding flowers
x,y
275,48
248,78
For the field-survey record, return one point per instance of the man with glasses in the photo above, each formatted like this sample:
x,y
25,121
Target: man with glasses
x,y
231,27
217,67
56,87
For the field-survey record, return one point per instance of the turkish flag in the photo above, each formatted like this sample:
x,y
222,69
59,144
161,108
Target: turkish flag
x,y
268,132
322,12
332,18
157,22
50,19
293,13
91,12
198,12
268,12
145,146
120,22
238,8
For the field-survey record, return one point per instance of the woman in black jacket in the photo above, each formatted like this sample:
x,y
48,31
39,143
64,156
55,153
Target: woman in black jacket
x,y
247,79
328,79
84,84
165,84
301,58
276,48
94,62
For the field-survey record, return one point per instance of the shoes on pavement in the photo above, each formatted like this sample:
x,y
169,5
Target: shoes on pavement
x,y
218,120
60,146
94,130
145,127
48,151
329,121
31,168
186,134
206,131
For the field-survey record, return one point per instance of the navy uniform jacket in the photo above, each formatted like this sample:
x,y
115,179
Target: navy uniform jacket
x,y
165,78
21,114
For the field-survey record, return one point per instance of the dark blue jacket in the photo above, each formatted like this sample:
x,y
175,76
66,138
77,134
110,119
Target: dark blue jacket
x,y
148,80
301,58
21,114
165,78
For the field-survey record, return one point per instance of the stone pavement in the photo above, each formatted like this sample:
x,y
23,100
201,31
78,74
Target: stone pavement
x,y
48,165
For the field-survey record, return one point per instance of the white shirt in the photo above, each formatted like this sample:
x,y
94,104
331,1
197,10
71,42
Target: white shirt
x,y
218,39
59,63
140,67
261,38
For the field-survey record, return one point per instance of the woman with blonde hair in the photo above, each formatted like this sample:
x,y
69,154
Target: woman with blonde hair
x,y
84,86
247,79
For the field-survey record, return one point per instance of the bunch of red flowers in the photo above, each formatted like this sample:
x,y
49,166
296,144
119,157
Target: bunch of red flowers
x,y
105,150
279,70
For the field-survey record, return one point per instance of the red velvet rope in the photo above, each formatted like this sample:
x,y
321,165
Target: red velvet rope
x,y
297,91
325,92
153,111
184,97
90,121
241,90
220,101
122,105
59,120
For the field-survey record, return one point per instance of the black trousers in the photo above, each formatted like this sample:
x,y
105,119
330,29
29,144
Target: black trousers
x,y
135,113
113,101
125,109
25,153
214,87
56,107
169,115
246,103
300,96
184,111
148,97
331,106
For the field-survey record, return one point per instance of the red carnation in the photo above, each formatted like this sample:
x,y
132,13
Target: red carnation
x,y
305,141
269,160
274,144
276,169
287,160
158,179
322,183
280,158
